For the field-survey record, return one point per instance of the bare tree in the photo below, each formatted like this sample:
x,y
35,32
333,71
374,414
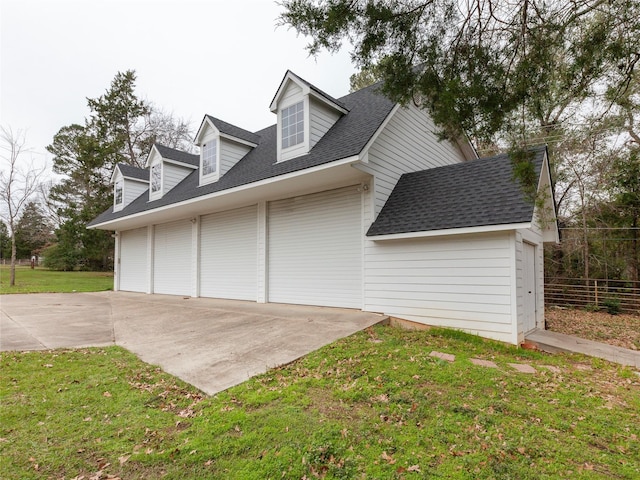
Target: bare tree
x,y
19,181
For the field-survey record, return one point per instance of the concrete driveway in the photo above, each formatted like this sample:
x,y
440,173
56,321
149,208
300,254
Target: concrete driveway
x,y
209,343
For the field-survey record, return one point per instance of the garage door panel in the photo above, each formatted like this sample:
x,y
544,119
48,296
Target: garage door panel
x,y
172,258
315,249
228,254
133,261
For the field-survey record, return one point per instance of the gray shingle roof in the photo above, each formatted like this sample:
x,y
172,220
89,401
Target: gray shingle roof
x,y
178,155
234,131
129,171
367,110
477,193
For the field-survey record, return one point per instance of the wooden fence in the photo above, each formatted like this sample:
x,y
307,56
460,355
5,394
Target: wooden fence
x,y
613,295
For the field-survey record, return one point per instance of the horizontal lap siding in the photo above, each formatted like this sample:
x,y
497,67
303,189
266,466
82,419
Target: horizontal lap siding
x,y
315,249
133,260
322,119
460,282
173,175
228,254
172,258
230,154
407,144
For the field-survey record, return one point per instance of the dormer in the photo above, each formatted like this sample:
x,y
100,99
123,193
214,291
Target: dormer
x,y
305,114
222,145
168,167
128,184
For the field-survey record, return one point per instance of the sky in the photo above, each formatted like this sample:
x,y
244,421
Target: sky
x,y
191,57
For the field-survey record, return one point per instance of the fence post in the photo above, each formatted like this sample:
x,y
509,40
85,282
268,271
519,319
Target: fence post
x,y
595,286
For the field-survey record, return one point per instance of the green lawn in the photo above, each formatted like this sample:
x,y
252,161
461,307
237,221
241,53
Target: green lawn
x,y
41,280
375,405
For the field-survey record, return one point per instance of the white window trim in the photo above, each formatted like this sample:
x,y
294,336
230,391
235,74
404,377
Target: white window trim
x,y
304,146
118,183
213,176
154,195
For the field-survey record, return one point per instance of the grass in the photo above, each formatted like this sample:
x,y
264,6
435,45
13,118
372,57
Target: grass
x,y
374,405
42,280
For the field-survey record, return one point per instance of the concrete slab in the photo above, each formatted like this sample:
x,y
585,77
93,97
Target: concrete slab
x,y
554,342
212,344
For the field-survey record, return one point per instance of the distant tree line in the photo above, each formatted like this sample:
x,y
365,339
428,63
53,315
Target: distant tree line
x,y
121,128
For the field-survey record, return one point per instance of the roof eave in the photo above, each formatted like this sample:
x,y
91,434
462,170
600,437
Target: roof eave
x,y
451,231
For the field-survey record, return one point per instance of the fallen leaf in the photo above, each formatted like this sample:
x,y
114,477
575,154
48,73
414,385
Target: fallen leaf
x,y
123,459
414,468
388,458
106,394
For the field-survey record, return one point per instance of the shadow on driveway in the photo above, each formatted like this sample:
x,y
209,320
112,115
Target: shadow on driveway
x,y
212,344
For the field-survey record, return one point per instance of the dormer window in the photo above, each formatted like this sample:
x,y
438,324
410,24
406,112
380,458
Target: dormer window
x,y
293,125
156,177
209,157
118,197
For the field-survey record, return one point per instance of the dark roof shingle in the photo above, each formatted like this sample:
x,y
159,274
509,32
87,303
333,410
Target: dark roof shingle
x,y
234,131
477,193
368,109
178,155
129,171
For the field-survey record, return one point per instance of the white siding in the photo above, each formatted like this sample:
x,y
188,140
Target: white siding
x,y
460,282
407,144
132,268
172,258
321,119
173,175
230,154
315,249
228,254
292,94
133,190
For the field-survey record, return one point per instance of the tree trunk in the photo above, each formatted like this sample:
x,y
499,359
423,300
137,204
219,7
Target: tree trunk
x,y
12,276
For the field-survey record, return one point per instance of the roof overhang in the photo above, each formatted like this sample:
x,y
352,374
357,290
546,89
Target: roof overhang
x,y
452,231
307,89
332,175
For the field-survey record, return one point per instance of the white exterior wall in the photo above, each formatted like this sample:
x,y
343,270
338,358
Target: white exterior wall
x,y
172,258
133,190
228,254
407,144
457,281
172,175
230,154
321,119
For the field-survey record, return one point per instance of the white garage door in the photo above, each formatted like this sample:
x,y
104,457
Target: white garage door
x,y
228,258
315,249
172,258
133,260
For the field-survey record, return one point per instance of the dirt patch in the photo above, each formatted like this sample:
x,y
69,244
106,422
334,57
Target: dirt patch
x,y
621,330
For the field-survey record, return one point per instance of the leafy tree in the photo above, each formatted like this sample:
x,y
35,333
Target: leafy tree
x,y
483,67
33,231
120,129
5,241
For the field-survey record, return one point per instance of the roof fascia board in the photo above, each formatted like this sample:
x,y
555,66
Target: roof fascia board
x,y
134,179
452,231
328,102
206,120
364,153
147,164
240,188
238,140
545,189
113,175
179,163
